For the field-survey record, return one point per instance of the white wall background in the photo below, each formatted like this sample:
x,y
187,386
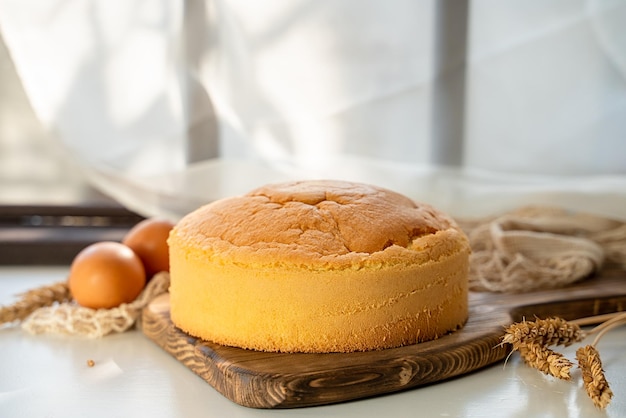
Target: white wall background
x,y
167,104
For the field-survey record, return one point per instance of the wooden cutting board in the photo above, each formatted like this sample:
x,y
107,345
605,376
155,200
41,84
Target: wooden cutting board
x,y
277,380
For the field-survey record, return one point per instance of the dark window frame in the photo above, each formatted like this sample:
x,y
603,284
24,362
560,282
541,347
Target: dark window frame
x,y
53,235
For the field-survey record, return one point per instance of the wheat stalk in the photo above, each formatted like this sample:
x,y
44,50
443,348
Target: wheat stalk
x,y
606,326
34,299
596,319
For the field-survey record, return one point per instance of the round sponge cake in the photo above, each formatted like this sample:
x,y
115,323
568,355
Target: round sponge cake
x,y
318,266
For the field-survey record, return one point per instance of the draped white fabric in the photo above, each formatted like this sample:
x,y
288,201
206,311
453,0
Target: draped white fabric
x,y
169,104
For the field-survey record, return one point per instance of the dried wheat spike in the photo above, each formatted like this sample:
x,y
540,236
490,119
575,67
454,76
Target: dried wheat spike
x,y
547,332
34,299
545,360
594,380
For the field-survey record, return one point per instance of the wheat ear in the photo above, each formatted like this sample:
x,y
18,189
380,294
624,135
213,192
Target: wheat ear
x,y
546,360
594,380
547,332
34,299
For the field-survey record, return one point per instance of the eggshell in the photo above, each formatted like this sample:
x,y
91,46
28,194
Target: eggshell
x,y
105,275
148,239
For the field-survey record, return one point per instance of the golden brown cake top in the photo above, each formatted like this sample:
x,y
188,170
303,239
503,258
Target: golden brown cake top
x,y
319,224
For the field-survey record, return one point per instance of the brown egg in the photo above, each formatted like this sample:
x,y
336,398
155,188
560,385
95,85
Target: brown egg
x,y
148,239
105,275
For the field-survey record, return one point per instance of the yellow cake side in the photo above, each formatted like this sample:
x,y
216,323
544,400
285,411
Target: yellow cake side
x,y
292,308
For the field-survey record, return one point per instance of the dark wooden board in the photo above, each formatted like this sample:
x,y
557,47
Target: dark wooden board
x,y
279,380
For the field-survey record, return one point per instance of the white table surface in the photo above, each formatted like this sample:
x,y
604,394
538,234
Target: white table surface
x,y
48,376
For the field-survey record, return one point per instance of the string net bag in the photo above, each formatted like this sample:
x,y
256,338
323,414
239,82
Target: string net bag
x,y
541,247
71,319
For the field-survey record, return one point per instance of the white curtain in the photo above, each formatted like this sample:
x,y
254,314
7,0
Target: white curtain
x,y
168,104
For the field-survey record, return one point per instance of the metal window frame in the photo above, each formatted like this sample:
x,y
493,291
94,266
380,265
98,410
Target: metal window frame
x,y
53,235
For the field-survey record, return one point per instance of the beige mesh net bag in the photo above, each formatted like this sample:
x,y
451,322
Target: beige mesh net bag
x,y
537,248
71,319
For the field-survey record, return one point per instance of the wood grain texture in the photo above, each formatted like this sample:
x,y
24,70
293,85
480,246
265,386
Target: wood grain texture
x,y
279,380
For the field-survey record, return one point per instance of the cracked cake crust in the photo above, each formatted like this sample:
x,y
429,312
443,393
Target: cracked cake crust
x,y
317,224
